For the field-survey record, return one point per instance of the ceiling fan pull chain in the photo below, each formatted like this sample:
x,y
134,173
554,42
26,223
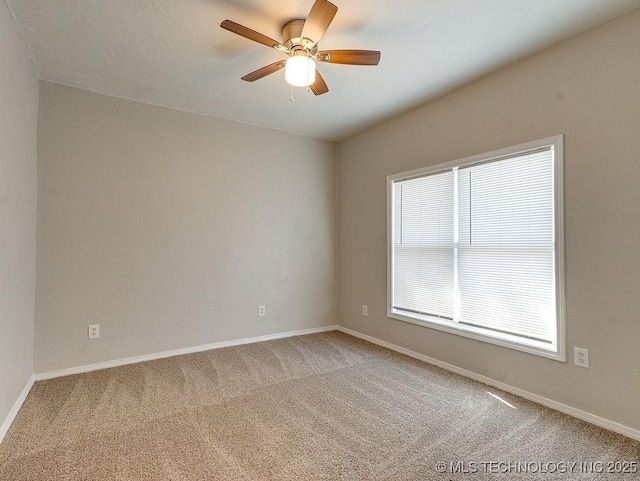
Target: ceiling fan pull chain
x,y
291,98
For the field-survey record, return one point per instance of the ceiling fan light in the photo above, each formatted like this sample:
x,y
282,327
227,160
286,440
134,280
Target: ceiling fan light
x,y
300,71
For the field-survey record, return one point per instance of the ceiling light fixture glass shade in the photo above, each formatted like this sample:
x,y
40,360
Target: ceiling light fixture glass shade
x,y
300,71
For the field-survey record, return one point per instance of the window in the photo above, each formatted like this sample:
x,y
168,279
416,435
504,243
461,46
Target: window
x,y
476,247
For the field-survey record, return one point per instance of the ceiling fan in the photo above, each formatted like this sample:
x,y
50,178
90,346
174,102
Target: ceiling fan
x,y
300,43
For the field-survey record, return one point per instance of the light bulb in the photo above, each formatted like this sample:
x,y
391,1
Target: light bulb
x,y
300,71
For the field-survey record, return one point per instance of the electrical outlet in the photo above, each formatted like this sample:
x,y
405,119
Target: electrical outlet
x,y
261,311
365,310
94,331
581,357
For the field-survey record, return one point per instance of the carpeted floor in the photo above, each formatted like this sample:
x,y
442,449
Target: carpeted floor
x,y
322,406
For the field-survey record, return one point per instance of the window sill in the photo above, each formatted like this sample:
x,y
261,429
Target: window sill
x,y
504,340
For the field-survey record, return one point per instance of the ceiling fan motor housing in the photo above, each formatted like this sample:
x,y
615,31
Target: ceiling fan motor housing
x,y
292,37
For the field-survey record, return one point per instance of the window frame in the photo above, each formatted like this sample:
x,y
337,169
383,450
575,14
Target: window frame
x,y
504,340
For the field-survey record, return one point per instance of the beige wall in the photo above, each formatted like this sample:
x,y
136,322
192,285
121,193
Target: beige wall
x,y
587,88
18,157
169,229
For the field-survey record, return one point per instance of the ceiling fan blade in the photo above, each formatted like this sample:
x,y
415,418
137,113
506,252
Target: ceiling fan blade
x,y
349,57
319,87
252,35
264,71
318,21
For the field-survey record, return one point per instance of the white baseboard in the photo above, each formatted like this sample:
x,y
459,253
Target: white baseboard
x,y
16,407
176,352
571,411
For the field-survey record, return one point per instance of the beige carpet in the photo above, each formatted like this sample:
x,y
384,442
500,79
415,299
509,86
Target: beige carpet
x,y
323,406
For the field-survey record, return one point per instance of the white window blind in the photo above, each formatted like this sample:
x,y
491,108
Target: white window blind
x,y
473,247
505,266
423,245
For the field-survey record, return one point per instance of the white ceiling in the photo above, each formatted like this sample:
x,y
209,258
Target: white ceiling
x,y
173,52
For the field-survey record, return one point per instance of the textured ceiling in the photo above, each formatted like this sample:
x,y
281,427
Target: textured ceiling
x,y
173,52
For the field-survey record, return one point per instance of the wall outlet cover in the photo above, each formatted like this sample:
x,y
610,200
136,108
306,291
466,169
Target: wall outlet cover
x,y
581,357
94,331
